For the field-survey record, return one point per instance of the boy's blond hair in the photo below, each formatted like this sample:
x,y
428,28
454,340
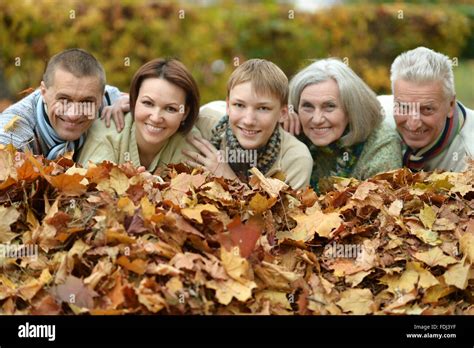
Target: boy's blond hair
x,y
266,77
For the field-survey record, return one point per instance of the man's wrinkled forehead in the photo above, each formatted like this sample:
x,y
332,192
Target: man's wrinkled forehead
x,y
422,92
66,84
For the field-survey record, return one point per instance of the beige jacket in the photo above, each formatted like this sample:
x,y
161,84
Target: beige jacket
x,y
106,144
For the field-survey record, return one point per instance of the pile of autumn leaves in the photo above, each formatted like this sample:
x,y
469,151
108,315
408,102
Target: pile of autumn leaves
x,y
114,241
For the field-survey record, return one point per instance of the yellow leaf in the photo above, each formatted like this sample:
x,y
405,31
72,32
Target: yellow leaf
x,y
308,225
195,212
11,124
457,275
435,257
405,283
356,278
148,209
427,216
138,265
259,203
118,181
45,277
426,279
113,235
230,288
427,236
236,266
126,205
276,298
466,244
433,294
216,192
357,301
8,216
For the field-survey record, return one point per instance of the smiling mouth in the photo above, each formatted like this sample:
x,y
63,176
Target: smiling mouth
x,y
320,129
153,129
416,133
71,123
249,132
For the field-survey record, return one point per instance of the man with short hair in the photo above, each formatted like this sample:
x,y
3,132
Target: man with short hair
x,y
54,119
437,130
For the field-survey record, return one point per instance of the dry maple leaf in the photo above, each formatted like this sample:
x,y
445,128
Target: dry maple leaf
x,y
69,185
458,275
195,212
435,257
357,301
309,225
271,186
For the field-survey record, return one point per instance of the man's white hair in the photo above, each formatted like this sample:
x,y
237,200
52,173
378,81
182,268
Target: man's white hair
x,y
424,65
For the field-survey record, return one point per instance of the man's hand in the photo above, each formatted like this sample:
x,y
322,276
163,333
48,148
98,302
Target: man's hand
x,y
208,157
117,110
291,123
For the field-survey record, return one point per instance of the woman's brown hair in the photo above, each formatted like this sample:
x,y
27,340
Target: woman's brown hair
x,y
173,71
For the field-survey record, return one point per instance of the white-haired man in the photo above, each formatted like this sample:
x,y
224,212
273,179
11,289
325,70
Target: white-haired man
x,y
437,130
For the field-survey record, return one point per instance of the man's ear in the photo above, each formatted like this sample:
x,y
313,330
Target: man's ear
x,y
452,107
43,88
283,113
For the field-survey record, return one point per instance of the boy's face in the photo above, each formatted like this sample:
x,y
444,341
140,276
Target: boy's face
x,y
253,117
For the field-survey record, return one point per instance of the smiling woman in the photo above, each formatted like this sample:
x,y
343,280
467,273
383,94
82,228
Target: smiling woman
x,y
342,123
164,103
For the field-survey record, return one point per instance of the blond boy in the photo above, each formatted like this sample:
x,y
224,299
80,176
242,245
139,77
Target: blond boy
x,y
244,132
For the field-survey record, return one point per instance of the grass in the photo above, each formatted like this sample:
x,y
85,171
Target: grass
x,y
464,81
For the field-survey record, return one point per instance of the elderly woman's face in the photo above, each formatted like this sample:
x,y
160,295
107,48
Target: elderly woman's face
x,y
321,113
420,111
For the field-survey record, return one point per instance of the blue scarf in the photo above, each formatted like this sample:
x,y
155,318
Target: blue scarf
x,y
52,145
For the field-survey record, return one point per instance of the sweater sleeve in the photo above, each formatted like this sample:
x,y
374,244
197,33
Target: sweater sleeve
x,y
21,132
113,92
382,152
298,169
296,161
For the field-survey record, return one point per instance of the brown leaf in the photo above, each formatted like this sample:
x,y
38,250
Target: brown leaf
x,y
70,185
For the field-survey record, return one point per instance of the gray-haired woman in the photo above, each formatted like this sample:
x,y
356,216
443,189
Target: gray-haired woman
x,y
342,123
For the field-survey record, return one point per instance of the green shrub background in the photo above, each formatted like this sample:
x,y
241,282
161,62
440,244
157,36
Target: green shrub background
x,y
125,34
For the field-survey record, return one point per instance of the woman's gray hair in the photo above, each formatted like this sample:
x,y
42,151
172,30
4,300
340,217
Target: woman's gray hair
x,y
359,102
424,65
